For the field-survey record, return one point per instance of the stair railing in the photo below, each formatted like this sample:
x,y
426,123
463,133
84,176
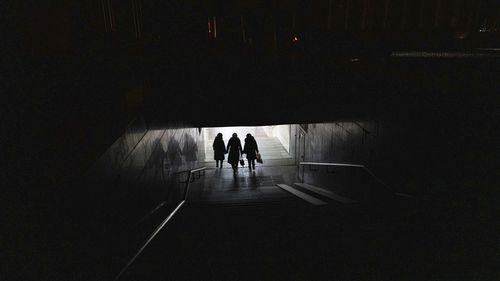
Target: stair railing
x,y
192,175
315,166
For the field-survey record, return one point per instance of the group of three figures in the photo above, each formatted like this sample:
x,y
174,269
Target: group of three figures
x,y
234,150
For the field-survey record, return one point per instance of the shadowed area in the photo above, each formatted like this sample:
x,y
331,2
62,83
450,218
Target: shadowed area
x,y
243,227
377,121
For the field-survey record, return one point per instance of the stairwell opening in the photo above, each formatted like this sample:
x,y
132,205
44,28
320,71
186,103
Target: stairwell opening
x,y
273,141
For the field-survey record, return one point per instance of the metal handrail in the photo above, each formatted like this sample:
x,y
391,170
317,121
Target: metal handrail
x,y
342,165
192,177
331,164
188,179
170,216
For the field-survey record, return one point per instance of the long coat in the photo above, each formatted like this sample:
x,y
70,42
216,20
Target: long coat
x,y
219,149
250,148
234,150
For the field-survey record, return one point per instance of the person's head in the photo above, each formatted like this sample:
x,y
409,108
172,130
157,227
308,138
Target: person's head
x,y
219,135
235,135
249,135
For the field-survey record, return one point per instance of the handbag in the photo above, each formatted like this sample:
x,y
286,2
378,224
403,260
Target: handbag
x,y
242,162
258,158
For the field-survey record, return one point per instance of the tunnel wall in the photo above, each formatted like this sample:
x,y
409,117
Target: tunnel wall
x,y
442,158
405,155
134,185
137,167
347,142
342,142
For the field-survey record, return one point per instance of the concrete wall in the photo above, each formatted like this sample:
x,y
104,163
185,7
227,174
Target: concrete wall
x,y
350,142
399,152
434,156
143,156
132,187
342,142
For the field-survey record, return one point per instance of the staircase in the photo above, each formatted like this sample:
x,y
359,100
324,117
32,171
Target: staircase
x,y
262,225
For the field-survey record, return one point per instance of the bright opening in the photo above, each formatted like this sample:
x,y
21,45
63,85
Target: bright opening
x,y
273,141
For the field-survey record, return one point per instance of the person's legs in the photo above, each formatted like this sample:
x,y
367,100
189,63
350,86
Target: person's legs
x,y
253,164
216,163
221,162
249,164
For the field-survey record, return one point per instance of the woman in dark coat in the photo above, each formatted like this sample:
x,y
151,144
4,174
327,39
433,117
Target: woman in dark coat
x,y
251,149
219,150
234,150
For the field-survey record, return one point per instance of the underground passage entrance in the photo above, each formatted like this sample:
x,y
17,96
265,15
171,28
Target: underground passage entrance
x,y
273,143
299,207
314,201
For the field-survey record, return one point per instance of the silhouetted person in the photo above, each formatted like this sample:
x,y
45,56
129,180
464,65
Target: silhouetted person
x,y
219,150
251,149
234,150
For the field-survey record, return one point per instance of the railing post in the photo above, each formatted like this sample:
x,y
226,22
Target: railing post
x,y
303,168
186,188
191,178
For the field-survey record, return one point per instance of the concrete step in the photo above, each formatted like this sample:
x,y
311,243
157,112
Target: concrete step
x,y
302,195
326,193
